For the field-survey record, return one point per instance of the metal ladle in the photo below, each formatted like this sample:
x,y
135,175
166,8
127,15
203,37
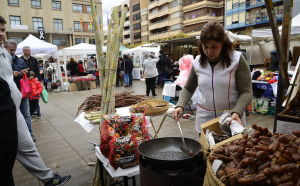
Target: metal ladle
x,y
184,149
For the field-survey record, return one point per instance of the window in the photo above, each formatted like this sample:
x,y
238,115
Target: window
x,y
136,17
56,5
92,41
229,5
36,3
136,7
58,24
176,15
137,35
77,26
242,2
79,40
144,17
242,17
77,7
175,3
235,18
37,22
235,3
88,9
228,20
164,7
59,41
144,28
176,27
17,39
144,39
89,28
13,2
15,20
137,26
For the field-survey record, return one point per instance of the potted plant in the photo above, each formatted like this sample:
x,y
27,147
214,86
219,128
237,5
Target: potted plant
x,y
88,82
83,84
78,82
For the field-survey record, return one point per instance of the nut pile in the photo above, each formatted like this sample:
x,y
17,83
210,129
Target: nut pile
x,y
295,110
262,159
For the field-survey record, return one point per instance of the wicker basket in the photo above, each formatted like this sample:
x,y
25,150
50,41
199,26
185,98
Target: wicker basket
x,y
152,108
210,177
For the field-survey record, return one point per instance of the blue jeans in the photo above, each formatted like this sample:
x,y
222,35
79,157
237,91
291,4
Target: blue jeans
x,y
161,77
126,79
92,72
130,78
24,108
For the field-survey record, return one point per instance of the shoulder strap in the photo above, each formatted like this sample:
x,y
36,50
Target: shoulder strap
x,y
147,63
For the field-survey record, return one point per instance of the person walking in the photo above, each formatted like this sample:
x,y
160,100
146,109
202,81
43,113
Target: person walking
x,y
20,68
126,65
118,72
91,65
151,73
164,64
130,70
73,67
31,62
221,76
27,153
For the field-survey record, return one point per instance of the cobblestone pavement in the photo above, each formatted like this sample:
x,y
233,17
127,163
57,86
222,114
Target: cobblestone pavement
x,y
62,142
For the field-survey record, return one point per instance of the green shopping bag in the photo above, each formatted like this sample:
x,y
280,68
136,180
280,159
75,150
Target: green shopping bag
x,y
44,95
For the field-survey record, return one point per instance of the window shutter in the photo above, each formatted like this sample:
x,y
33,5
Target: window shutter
x,y
242,17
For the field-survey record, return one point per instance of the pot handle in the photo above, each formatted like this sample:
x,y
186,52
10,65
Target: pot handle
x,y
151,137
197,154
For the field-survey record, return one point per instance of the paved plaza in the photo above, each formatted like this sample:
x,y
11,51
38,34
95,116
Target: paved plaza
x,y
62,142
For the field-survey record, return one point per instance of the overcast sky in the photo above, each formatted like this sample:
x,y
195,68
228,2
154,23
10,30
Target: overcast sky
x,y
106,9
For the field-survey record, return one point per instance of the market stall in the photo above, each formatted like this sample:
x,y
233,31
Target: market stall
x,y
141,53
122,48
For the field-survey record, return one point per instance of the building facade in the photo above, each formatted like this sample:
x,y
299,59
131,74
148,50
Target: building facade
x,y
60,19
165,18
242,16
145,21
198,12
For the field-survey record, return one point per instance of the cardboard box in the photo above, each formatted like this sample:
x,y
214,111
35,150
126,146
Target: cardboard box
x,y
93,84
73,86
64,79
213,125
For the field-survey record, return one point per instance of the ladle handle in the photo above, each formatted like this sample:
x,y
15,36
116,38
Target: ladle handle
x,y
181,134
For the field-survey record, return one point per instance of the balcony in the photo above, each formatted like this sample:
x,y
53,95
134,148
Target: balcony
x,y
126,40
174,9
159,35
143,23
157,3
201,19
194,32
127,23
159,14
145,33
263,18
255,3
203,4
176,31
159,24
126,32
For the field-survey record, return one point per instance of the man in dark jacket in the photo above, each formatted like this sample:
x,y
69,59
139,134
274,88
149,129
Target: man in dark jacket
x,y
31,62
164,63
130,70
19,67
158,66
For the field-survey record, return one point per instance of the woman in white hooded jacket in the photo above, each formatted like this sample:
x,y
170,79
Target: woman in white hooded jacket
x,y
151,73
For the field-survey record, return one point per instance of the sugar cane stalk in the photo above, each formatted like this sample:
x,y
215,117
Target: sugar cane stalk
x,y
95,172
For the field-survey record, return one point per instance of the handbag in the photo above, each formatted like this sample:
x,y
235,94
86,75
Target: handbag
x,y
44,95
26,89
168,71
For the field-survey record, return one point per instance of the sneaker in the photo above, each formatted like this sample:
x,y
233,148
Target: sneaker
x,y
39,117
33,138
35,113
57,180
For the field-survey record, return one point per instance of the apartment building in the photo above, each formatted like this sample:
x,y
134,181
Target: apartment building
x,y
165,18
242,16
198,12
60,19
145,21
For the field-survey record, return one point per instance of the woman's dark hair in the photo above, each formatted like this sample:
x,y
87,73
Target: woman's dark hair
x,y
215,31
125,56
80,62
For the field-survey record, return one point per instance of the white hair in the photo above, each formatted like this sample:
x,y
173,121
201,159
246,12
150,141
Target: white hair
x,y
25,47
10,42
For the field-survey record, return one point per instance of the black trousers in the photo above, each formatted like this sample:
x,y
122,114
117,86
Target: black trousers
x,y
8,134
118,79
150,85
34,106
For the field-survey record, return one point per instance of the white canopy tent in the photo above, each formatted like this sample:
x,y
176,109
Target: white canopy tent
x,y
37,46
79,49
295,29
141,53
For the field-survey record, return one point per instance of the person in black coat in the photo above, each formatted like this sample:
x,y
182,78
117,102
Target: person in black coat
x,y
164,63
8,134
73,67
31,62
126,64
130,70
158,65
